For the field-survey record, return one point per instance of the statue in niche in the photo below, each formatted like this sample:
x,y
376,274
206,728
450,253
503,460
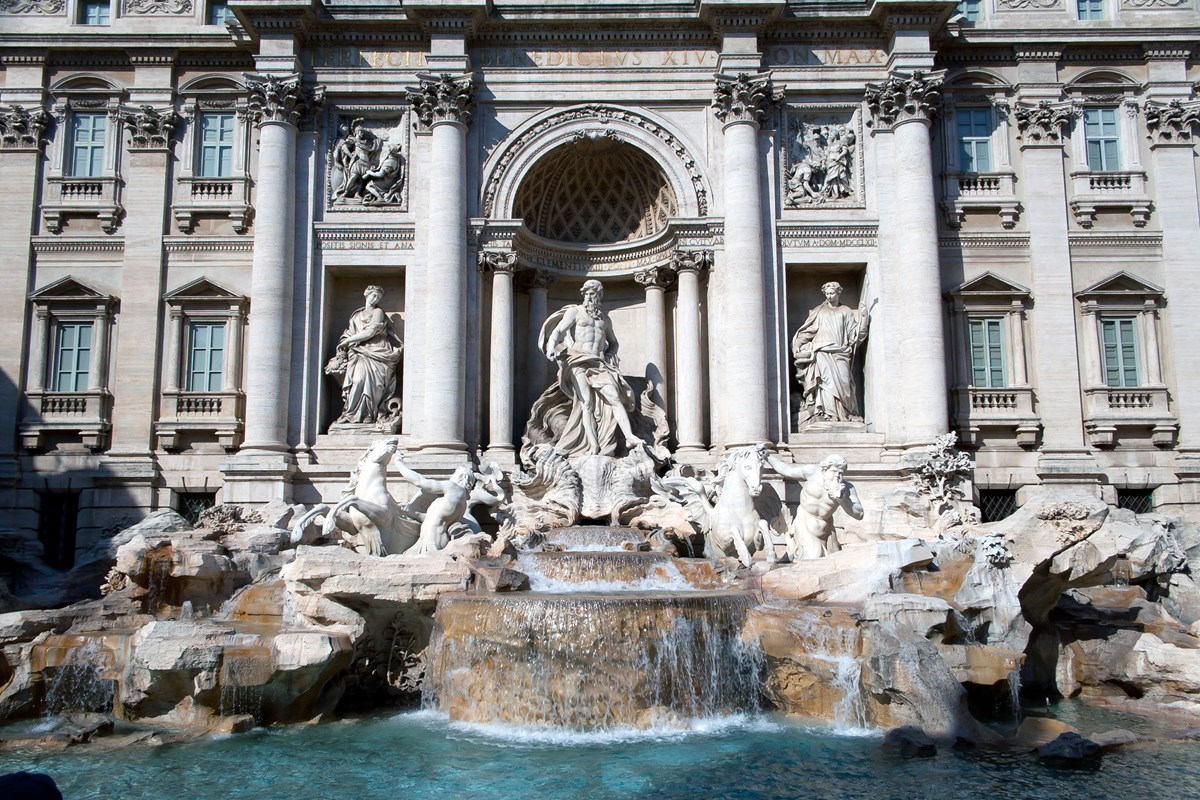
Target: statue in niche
x,y
366,167
824,348
592,408
824,491
367,360
823,172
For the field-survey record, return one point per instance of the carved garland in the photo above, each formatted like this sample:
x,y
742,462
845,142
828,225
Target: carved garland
x,y
158,6
22,128
31,6
1034,4
444,98
275,99
904,97
603,115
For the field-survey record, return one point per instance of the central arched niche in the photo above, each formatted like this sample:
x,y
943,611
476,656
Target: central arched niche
x,y
595,189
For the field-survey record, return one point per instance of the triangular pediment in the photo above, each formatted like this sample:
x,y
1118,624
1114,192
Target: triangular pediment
x,y
1122,284
68,288
202,289
989,283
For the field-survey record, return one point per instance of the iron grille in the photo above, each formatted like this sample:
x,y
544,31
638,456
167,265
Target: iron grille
x,y
1139,501
193,504
996,504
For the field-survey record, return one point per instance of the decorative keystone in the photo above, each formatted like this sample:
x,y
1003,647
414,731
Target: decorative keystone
x,y
443,98
902,98
1044,123
20,128
275,99
1172,123
745,98
150,129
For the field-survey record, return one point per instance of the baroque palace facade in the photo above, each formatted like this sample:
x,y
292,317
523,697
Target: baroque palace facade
x,y
198,196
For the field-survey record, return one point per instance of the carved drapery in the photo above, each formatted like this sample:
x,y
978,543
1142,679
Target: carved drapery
x,y
903,98
1173,122
443,98
275,99
745,98
1045,123
149,128
21,128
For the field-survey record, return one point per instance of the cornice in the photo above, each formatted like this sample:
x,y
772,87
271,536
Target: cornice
x,y
1112,240
208,244
76,244
802,234
986,241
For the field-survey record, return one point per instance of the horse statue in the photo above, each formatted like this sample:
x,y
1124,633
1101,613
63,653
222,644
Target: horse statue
x,y
725,506
368,518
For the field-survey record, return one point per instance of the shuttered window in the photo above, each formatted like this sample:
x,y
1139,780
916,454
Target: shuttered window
x,y
987,353
1120,352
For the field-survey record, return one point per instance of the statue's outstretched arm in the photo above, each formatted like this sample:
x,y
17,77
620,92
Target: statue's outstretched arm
x,y
851,504
793,472
417,479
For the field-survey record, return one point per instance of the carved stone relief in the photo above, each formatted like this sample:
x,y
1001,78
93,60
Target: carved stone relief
x,y
1172,122
904,97
367,163
275,99
158,6
1045,123
821,160
150,128
23,128
1029,5
443,98
32,6
1144,4
745,98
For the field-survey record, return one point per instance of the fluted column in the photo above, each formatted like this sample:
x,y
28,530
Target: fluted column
x,y
443,104
279,105
536,282
689,365
903,108
20,160
500,375
743,104
655,281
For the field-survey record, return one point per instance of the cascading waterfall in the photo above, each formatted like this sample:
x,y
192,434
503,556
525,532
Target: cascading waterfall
x,y
627,656
77,684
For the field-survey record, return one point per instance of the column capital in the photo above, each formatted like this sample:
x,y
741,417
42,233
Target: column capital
x,y
22,129
692,260
282,99
657,277
497,261
904,98
1172,122
442,98
150,128
745,98
535,279
1044,124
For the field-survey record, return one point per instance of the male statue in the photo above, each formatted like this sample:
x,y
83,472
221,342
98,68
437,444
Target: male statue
x,y
444,512
824,349
824,490
580,339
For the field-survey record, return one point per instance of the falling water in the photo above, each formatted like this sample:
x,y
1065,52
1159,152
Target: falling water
x,y
620,571
1014,693
159,573
244,673
588,538
76,684
835,648
850,712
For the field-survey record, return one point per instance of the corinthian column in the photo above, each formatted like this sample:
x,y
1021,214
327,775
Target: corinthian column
x,y
500,375
689,366
903,108
443,104
278,105
743,104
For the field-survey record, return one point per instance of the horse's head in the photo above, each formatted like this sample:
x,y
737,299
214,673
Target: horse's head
x,y
746,464
382,450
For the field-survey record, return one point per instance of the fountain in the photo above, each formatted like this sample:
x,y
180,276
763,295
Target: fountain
x,y
607,639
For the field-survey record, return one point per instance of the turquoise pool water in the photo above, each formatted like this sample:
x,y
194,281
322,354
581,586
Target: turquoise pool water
x,y
421,755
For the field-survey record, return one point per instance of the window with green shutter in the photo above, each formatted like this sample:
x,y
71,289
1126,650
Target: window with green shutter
x,y
987,353
216,145
1103,139
1119,337
974,139
88,132
72,357
206,357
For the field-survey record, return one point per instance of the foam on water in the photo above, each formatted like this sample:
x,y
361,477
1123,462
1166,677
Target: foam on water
x,y
658,575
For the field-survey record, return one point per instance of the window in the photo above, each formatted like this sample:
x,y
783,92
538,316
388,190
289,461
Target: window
x,y
996,504
1139,501
94,12
216,146
1091,9
206,357
974,139
218,12
88,132
987,353
72,357
193,504
1120,352
971,10
57,522
1102,139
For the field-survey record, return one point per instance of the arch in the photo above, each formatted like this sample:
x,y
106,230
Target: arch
x,y
978,78
1102,77
213,82
87,82
509,166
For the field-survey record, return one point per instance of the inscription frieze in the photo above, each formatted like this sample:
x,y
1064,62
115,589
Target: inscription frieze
x,y
805,56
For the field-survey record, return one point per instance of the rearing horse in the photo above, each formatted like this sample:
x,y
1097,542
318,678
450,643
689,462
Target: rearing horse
x,y
731,524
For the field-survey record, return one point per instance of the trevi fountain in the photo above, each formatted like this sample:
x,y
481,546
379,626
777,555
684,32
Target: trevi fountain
x,y
600,621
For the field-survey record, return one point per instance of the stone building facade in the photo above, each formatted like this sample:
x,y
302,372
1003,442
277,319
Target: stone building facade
x,y
198,193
